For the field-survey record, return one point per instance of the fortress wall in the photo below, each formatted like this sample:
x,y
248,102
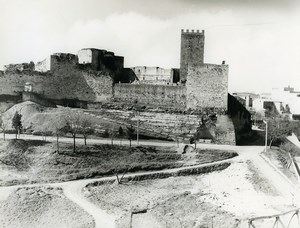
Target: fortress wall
x,y
153,95
225,132
207,86
12,83
66,81
101,83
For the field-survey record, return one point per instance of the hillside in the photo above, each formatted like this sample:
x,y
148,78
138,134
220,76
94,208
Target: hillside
x,y
34,161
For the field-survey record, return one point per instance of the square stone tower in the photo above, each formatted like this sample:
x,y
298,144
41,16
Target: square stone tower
x,y
192,51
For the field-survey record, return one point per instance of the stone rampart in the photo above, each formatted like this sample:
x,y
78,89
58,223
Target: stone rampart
x,y
152,95
207,86
67,81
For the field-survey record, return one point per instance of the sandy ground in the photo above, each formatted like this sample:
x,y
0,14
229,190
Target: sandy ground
x,y
220,198
41,207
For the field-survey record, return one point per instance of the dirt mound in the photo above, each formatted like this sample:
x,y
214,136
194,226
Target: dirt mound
x,y
16,153
19,146
34,116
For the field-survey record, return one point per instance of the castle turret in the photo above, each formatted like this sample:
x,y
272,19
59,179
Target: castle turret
x,y
192,50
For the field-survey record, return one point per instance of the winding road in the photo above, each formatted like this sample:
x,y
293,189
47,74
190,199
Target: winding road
x,y
73,189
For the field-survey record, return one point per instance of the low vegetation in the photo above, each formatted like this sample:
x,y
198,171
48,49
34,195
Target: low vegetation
x,y
40,161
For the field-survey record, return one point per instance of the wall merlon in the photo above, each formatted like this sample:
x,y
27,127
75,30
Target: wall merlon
x,y
64,56
196,32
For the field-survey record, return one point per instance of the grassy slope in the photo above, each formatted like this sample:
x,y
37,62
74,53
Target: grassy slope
x,y
38,161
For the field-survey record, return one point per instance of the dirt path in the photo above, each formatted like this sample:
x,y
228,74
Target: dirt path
x,y
73,189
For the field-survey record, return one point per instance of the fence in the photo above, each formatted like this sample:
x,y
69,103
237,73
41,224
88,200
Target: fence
x,y
289,219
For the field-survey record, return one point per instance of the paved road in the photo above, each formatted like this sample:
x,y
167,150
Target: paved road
x,y
93,140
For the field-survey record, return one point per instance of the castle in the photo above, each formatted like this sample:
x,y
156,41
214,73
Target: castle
x,y
95,75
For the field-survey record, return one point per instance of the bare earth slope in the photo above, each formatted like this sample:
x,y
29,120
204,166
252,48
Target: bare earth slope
x,y
42,207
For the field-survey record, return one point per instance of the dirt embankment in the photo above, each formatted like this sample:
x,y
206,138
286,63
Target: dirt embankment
x,y
42,207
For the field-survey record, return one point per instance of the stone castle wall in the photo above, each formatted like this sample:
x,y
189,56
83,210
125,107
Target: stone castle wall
x,y
65,81
152,95
207,86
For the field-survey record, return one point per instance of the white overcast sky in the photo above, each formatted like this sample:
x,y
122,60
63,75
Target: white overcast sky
x,y
259,39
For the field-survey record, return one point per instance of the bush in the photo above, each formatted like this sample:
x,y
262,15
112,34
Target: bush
x,y
43,133
11,131
105,134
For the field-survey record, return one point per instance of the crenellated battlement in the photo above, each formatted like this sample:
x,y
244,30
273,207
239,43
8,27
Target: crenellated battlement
x,y
187,31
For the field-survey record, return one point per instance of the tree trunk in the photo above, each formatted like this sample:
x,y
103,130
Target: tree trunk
x,y
129,142
18,133
74,142
4,135
112,141
271,143
57,143
84,136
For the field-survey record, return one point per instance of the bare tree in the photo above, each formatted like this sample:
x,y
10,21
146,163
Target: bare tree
x,y
130,134
86,127
59,131
119,179
3,125
72,119
120,134
112,134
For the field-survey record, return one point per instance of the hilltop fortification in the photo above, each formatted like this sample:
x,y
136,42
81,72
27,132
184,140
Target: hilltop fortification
x,y
95,76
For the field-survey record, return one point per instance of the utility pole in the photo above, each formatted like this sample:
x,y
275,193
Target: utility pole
x,y
266,137
137,127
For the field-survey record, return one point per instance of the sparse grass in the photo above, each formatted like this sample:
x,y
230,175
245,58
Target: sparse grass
x,y
210,155
281,159
39,161
259,183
